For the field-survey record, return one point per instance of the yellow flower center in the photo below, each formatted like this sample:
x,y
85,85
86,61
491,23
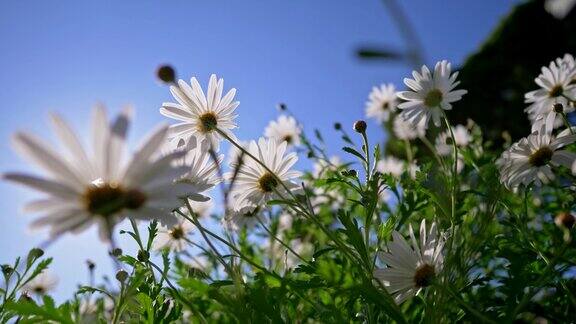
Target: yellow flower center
x,y
385,105
208,122
424,275
108,199
177,233
433,98
267,182
288,139
541,157
39,290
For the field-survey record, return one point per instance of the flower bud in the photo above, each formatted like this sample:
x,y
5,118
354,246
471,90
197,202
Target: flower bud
x,y
565,220
116,252
143,256
121,275
360,126
337,126
166,74
91,265
7,270
281,106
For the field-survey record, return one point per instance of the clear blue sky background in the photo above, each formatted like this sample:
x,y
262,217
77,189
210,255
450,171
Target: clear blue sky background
x,y
66,55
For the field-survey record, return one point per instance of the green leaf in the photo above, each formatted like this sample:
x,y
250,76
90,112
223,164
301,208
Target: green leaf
x,y
352,151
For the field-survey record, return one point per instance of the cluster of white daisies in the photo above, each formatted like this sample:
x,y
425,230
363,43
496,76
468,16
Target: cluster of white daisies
x,y
533,159
169,175
410,269
105,185
431,92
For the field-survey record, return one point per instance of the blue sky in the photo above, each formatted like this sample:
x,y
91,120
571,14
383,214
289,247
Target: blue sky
x,y
65,56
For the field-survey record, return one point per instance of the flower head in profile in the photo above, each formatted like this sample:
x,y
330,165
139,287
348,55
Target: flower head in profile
x,y
551,99
42,284
404,130
381,102
173,238
255,183
409,270
100,187
201,114
530,160
284,129
444,141
430,93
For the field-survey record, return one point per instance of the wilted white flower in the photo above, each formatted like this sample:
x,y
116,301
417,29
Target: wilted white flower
x,y
404,130
530,159
391,165
174,238
42,284
551,99
244,215
325,195
444,142
430,93
85,188
202,173
412,168
321,166
285,129
284,222
411,269
381,102
256,184
201,114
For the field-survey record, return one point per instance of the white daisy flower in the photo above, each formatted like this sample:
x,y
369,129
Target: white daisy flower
x,y
174,238
285,128
42,284
101,187
246,215
201,262
531,159
201,114
411,269
559,8
551,99
391,165
283,257
321,166
444,142
412,168
381,102
430,93
404,130
256,184
303,248
566,62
